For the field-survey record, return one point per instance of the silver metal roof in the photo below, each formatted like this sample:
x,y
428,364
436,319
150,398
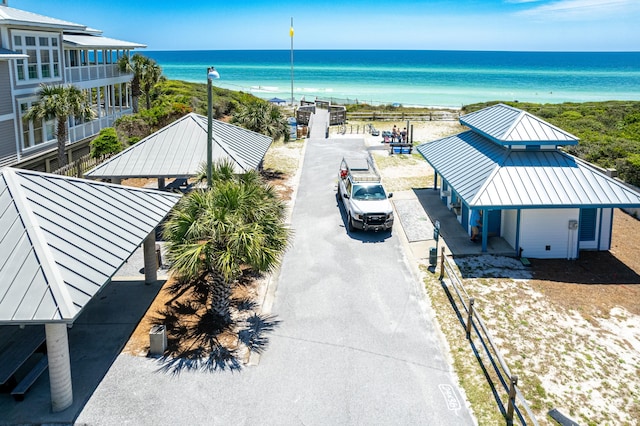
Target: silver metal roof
x,y
63,239
179,150
511,126
6,54
98,42
487,175
12,16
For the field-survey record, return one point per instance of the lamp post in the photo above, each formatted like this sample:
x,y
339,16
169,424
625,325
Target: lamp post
x,y
212,74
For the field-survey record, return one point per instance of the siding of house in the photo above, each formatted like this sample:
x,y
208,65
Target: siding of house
x,y
7,143
545,233
605,224
5,89
510,227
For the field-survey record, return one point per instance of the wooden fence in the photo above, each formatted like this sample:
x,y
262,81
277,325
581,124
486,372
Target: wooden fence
x,y
80,166
516,405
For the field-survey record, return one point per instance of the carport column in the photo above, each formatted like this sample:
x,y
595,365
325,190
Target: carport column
x,y
161,184
117,181
59,366
150,259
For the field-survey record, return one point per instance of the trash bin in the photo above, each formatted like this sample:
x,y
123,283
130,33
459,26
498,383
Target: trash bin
x,y
433,256
157,340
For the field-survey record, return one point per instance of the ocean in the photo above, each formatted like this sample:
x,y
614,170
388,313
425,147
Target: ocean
x,y
414,78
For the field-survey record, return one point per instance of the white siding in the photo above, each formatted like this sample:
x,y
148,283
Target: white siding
x,y
509,226
544,228
605,229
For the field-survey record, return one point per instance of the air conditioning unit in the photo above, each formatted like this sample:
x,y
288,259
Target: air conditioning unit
x,y
446,193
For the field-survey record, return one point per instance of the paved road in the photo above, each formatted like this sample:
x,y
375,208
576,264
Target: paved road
x,y
355,345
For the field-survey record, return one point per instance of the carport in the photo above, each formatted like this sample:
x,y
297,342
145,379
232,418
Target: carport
x,y
180,149
64,239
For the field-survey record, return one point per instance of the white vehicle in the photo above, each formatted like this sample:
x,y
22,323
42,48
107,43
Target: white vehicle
x,y
365,200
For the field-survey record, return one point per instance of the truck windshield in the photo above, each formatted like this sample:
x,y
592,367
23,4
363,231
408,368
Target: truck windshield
x,y
368,192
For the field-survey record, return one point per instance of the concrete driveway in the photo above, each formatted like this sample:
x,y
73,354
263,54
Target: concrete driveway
x,y
355,345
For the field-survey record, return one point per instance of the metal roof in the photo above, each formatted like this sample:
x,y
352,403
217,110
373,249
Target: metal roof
x,y
64,238
179,150
98,42
511,126
11,16
486,175
6,54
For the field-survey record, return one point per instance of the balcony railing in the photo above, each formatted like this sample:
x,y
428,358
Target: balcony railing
x,y
92,72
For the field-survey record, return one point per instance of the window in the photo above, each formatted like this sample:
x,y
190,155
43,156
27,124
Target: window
x,y
35,132
43,62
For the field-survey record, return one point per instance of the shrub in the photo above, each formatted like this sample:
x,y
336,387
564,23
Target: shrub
x,y
629,169
106,142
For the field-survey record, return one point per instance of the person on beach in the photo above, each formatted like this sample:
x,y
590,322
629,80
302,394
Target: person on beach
x,y
403,135
476,225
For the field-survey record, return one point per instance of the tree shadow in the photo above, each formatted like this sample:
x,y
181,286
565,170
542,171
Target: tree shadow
x,y
199,339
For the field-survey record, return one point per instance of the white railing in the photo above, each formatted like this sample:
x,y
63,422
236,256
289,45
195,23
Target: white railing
x,y
92,72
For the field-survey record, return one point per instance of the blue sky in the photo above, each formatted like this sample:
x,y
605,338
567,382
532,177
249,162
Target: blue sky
x,y
528,25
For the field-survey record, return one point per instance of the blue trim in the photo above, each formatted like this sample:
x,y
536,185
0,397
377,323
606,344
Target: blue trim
x,y
560,206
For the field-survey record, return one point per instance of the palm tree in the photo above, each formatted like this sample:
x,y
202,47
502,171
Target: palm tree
x,y
151,75
134,65
215,235
60,102
262,117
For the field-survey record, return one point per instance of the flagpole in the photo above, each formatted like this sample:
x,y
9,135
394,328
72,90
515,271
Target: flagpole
x,y
291,35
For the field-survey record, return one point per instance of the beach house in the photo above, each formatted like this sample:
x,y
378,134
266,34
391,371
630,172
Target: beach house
x,y
35,50
542,201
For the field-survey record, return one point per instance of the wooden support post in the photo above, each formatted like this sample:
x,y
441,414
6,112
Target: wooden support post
x,y
470,317
512,400
441,263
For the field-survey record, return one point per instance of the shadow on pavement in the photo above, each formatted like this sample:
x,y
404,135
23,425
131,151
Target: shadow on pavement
x,y
95,341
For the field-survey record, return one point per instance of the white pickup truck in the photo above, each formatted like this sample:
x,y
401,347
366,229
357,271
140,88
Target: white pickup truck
x,y
365,200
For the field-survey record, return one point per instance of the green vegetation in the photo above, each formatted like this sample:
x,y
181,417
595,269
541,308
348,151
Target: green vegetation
x,y
106,142
609,132
172,99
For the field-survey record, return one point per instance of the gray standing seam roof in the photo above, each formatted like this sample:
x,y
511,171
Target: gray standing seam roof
x,y
510,126
64,238
487,175
10,15
180,149
98,42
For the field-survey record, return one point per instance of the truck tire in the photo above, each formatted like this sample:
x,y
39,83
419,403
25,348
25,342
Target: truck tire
x,y
350,224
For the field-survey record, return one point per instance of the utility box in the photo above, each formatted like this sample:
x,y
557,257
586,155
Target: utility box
x,y
157,340
433,256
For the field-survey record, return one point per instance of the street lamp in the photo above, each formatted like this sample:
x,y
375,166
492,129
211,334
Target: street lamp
x,y
212,74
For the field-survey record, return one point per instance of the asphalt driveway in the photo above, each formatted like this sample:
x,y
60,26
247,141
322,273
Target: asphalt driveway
x,y
355,344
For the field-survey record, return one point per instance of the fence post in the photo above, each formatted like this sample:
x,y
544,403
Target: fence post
x,y
512,400
441,264
470,317
78,168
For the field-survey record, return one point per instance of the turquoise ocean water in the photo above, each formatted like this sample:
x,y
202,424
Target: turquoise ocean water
x,y
424,78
